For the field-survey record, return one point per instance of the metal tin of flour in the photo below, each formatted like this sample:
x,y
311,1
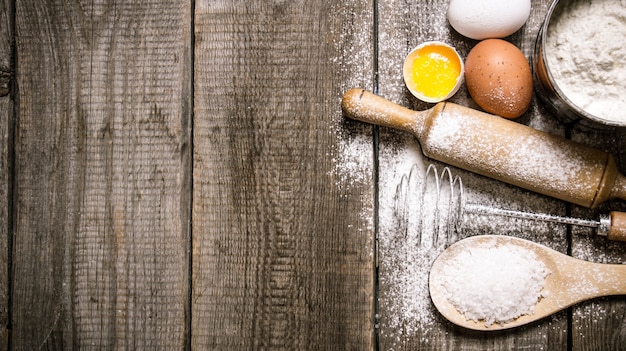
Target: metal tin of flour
x,y
547,86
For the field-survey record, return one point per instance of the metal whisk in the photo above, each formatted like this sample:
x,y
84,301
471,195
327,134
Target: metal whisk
x,y
438,197
611,225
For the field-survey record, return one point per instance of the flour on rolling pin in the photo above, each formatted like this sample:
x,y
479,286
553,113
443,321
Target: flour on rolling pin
x,y
503,151
499,148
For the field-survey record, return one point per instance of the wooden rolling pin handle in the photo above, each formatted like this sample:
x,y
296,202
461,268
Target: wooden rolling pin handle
x,y
617,228
366,107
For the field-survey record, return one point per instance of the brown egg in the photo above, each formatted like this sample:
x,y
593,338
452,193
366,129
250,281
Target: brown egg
x,y
498,78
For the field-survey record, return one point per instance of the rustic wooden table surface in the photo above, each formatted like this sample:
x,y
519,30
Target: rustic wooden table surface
x,y
179,175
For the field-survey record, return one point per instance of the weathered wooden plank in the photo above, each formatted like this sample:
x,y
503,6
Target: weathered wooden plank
x,y
599,324
6,131
408,320
102,162
6,39
5,116
282,231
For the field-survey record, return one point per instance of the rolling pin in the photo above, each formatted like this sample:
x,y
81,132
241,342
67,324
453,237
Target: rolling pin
x,y
499,148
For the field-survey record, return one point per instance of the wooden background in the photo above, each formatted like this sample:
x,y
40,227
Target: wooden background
x,y
178,175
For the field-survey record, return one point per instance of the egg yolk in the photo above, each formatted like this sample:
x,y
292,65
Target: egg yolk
x,y
435,71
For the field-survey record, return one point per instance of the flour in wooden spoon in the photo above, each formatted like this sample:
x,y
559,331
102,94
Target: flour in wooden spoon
x,y
494,283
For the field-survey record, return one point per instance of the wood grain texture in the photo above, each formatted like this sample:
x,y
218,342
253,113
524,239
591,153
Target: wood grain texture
x,y
6,156
282,244
102,197
6,40
184,179
5,118
408,321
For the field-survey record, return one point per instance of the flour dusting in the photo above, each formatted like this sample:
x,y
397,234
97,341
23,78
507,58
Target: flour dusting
x,y
417,203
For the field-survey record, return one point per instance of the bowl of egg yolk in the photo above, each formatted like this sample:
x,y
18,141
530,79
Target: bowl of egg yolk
x,y
433,71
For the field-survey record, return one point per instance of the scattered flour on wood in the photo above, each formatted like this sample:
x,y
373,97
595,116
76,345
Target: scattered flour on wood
x,y
493,283
413,229
353,154
353,160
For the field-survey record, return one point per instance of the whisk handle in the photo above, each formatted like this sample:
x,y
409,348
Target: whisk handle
x,y
617,228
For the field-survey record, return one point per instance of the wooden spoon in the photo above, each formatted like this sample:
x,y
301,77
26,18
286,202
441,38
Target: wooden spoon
x,y
570,281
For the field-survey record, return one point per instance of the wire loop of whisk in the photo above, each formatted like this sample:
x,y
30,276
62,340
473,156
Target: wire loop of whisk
x,y
429,205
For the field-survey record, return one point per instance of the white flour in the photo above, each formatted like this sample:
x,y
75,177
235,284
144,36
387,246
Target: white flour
x,y
493,283
585,52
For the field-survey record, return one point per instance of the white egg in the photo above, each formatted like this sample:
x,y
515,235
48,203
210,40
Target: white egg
x,y
482,19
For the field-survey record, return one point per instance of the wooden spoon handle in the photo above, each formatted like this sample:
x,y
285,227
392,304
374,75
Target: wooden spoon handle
x,y
610,279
